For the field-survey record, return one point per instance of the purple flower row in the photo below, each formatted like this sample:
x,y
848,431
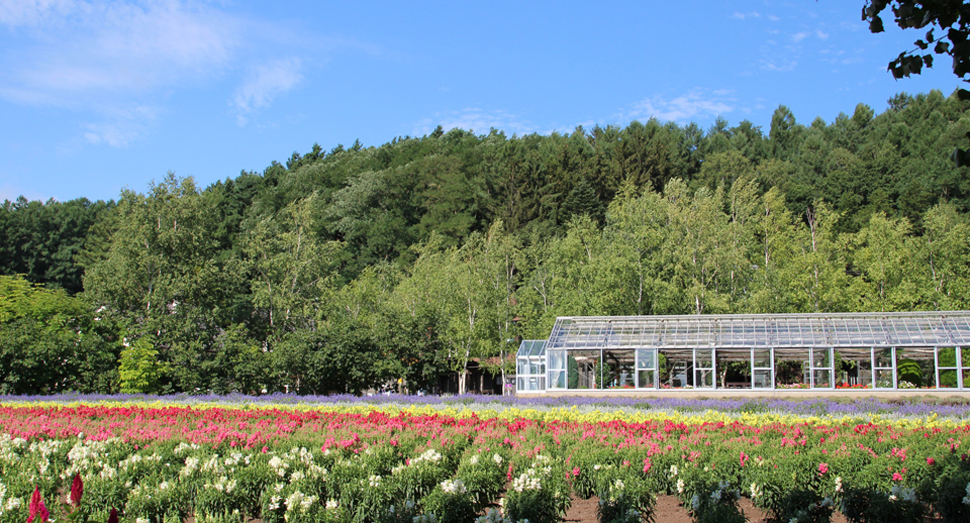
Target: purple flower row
x,y
817,406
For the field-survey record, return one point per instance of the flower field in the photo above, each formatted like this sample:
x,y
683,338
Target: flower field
x,y
163,461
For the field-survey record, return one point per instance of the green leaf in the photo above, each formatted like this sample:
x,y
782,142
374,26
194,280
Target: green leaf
x,y
875,25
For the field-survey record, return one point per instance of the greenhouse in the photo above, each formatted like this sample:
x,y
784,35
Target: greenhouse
x,y
878,351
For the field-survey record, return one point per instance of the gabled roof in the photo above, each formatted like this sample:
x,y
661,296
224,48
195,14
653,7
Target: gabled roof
x,y
883,329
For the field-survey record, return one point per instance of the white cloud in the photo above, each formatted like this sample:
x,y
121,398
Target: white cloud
x,y
265,81
474,119
779,64
121,128
696,104
88,52
821,35
16,13
798,37
742,16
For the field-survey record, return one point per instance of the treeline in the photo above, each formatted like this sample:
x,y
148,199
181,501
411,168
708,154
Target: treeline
x,y
347,269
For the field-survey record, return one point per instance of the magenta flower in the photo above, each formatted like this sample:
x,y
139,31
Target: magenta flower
x,y
77,490
37,508
823,468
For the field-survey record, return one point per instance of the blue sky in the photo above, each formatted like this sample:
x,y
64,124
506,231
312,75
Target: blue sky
x,y
96,96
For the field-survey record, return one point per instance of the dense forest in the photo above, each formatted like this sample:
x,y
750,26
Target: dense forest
x,y
361,266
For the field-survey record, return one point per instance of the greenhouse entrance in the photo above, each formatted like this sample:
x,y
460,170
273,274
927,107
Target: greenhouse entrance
x,y
880,351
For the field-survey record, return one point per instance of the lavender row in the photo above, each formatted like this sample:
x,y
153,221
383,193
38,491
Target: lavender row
x,y
816,406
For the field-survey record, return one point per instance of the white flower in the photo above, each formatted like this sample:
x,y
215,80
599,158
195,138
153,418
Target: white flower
x,y
596,467
838,484
755,491
473,460
453,486
680,486
374,481
141,520
332,504
904,493
497,459
618,484
673,471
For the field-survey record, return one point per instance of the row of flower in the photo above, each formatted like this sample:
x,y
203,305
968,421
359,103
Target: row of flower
x,y
359,464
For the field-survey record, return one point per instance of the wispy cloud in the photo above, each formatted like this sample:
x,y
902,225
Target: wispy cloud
x,y
265,82
475,119
742,16
697,104
80,53
110,60
122,127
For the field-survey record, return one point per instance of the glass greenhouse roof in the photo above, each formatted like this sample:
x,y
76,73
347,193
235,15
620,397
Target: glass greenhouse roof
x,y
912,329
532,348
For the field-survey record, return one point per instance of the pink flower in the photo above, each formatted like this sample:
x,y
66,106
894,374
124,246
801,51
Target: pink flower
x,y
930,461
897,476
575,471
37,507
77,490
265,450
509,475
626,463
823,468
743,458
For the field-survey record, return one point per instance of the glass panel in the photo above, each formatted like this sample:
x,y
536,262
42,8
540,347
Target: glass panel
x,y
823,379
557,379
914,368
762,379
521,366
676,368
520,384
704,358
704,378
884,378
646,359
542,383
762,358
533,383
645,379
863,374
948,379
820,358
965,356
966,378
884,358
534,367
619,369
947,357
556,359
584,369
792,369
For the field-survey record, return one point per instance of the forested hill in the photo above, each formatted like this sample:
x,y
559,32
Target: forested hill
x,y
342,269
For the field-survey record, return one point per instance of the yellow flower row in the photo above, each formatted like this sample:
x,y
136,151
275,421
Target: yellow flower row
x,y
567,414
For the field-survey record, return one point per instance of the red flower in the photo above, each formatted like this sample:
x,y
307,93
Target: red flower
x,y
37,508
113,517
930,461
77,490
